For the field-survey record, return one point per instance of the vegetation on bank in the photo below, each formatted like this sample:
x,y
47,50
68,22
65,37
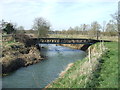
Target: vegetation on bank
x,y
17,53
109,69
99,71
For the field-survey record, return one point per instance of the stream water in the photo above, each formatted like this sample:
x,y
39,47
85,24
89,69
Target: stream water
x,y
43,73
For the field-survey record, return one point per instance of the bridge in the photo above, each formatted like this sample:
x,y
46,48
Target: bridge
x,y
64,41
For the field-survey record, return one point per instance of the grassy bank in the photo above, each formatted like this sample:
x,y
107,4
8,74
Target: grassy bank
x,y
99,69
108,75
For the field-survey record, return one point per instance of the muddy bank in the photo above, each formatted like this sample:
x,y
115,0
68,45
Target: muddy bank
x,y
18,54
82,47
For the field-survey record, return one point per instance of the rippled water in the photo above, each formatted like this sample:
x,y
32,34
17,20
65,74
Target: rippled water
x,y
41,74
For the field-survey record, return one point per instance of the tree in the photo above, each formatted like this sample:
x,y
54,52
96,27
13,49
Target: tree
x,y
111,28
77,28
20,28
71,31
84,28
42,26
104,26
95,26
116,21
115,16
2,24
9,28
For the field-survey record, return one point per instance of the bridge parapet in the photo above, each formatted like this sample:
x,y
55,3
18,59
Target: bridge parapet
x,y
64,41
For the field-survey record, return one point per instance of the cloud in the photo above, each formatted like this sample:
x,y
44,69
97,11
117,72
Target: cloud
x,y
61,14
73,14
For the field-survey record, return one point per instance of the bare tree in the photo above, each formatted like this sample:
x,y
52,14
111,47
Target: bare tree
x,y
104,26
111,28
116,21
71,31
115,16
84,28
77,28
95,26
20,28
42,26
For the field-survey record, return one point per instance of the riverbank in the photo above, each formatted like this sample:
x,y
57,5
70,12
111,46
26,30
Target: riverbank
x,y
98,70
82,47
17,54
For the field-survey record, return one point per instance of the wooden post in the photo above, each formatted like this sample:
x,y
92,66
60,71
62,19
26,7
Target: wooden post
x,y
90,69
89,54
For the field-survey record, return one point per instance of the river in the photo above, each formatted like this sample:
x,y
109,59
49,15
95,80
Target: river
x,y
41,74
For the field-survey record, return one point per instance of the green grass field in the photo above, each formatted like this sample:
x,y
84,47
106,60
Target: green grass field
x,y
104,73
109,69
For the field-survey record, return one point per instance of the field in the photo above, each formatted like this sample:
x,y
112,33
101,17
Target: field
x,y
111,38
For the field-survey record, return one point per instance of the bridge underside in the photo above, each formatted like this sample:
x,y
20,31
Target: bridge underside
x,y
64,41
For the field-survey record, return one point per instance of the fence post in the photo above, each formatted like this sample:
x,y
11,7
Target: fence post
x,y
89,54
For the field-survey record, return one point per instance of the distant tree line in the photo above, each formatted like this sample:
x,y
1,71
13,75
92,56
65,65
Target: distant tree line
x,y
94,29
41,27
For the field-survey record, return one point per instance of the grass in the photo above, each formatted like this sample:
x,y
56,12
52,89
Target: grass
x,y
111,38
10,43
69,80
109,70
104,73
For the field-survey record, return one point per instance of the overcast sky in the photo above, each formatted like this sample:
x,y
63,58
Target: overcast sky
x,y
60,13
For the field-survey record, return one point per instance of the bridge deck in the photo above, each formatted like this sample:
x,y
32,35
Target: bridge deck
x,y
64,41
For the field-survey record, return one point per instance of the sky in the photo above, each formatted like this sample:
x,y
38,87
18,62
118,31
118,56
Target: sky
x,y
62,14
